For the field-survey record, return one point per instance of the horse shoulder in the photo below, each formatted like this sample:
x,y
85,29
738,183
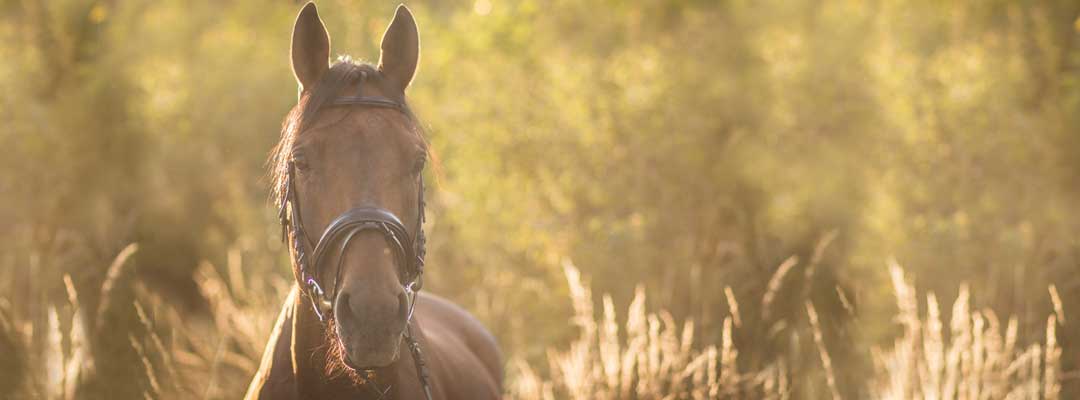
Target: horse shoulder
x,y
275,378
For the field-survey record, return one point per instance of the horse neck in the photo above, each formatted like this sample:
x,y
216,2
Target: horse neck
x,y
309,359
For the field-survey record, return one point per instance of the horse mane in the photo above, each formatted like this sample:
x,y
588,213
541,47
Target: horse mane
x,y
344,72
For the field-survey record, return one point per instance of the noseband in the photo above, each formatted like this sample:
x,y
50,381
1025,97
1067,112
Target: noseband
x,y
408,252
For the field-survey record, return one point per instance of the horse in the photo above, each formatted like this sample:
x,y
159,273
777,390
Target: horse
x,y
348,177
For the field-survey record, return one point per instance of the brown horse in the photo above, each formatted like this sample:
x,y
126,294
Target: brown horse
x,y
348,172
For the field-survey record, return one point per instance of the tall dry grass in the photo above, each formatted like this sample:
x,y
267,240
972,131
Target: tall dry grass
x,y
56,355
975,357
650,356
183,356
641,354
212,357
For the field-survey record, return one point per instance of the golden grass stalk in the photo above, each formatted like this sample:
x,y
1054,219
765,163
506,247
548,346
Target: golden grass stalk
x,y
148,366
78,359
159,346
112,276
826,360
775,282
1052,364
1055,299
729,370
733,306
54,357
844,301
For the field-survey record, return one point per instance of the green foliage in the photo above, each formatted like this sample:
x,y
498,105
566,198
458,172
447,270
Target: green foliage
x,y
685,145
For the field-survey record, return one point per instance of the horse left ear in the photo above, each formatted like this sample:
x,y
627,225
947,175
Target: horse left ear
x,y
310,47
400,48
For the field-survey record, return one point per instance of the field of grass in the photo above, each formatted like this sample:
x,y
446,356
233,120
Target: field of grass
x,y
639,354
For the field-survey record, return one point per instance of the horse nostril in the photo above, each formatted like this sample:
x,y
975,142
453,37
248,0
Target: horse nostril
x,y
377,310
403,305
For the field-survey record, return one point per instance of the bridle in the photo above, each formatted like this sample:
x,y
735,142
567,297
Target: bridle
x,y
409,252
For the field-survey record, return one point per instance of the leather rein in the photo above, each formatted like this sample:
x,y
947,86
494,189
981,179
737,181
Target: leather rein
x,y
408,252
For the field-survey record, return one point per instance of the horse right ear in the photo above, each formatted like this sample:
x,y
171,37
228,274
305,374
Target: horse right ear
x,y
310,48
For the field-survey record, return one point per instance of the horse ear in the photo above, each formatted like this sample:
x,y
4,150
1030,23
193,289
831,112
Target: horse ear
x,y
400,48
310,47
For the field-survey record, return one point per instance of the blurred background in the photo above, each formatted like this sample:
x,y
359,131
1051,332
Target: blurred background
x,y
700,199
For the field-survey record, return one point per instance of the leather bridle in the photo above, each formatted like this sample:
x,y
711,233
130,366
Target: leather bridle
x,y
408,251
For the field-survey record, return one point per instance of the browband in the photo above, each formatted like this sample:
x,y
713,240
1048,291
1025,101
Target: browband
x,y
367,101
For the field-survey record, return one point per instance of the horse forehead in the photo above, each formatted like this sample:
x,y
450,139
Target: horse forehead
x,y
371,84
371,129
355,128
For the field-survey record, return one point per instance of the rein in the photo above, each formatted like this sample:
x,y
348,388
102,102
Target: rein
x,y
408,252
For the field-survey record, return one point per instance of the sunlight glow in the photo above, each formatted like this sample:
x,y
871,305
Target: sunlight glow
x,y
482,7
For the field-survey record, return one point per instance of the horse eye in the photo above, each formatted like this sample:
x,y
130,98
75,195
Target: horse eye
x,y
300,161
